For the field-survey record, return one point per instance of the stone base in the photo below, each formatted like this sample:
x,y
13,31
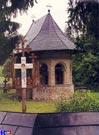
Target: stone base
x,y
58,92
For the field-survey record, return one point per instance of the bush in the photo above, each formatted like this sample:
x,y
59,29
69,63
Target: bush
x,y
80,102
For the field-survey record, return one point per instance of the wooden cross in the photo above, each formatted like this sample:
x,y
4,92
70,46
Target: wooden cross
x,y
23,66
35,74
23,49
5,84
8,68
33,57
13,56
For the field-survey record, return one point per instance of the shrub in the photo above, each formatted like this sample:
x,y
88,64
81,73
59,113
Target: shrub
x,y
80,102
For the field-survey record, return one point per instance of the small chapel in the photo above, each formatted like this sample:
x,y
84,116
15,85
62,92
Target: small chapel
x,y
51,76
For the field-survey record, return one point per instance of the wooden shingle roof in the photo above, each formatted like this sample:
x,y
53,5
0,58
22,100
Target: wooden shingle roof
x,y
44,34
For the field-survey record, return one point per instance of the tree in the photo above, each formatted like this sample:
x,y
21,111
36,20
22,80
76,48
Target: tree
x,y
8,29
83,19
83,27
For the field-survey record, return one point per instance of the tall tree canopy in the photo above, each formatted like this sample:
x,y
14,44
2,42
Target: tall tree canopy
x,y
8,29
83,27
83,18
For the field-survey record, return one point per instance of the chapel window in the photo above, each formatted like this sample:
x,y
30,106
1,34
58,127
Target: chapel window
x,y
44,74
59,74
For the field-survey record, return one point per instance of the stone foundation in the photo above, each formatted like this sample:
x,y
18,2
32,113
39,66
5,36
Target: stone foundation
x,y
53,93
57,92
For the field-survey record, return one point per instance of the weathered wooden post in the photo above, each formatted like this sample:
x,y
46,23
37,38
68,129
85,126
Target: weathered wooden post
x,y
33,57
23,66
5,85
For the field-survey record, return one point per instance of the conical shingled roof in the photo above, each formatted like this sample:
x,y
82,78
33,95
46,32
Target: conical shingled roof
x,y
44,34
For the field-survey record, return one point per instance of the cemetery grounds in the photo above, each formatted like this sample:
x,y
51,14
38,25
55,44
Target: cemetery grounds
x,y
10,104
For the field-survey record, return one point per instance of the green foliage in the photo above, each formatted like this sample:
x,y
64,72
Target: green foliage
x,y
6,46
83,18
11,7
6,68
83,27
80,102
86,64
8,29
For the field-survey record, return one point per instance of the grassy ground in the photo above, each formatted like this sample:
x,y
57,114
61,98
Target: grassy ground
x,y
1,80
7,104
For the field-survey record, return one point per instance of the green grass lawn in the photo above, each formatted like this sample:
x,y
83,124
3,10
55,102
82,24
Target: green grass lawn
x,y
33,107
7,104
1,80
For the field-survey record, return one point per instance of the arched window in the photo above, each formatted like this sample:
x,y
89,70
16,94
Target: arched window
x,y
44,74
59,74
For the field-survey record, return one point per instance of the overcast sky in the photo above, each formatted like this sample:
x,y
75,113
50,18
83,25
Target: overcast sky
x,y
58,12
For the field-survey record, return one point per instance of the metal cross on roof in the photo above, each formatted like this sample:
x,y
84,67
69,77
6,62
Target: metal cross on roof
x,y
49,7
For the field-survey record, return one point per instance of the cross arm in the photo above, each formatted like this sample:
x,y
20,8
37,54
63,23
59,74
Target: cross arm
x,y
17,66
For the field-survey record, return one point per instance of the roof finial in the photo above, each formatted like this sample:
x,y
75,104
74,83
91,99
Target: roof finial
x,y
48,10
49,7
33,17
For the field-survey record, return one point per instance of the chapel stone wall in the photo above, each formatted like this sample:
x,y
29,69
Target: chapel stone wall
x,y
53,91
